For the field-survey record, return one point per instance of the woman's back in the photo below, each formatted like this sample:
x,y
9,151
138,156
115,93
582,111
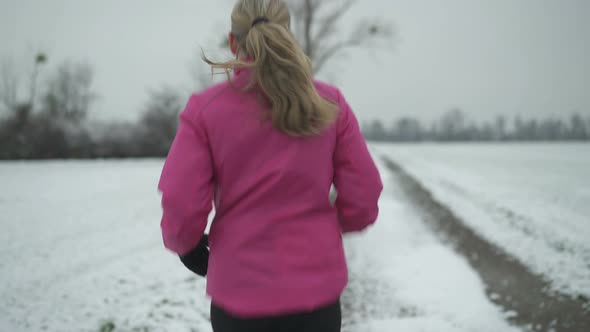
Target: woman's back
x,y
276,238
266,148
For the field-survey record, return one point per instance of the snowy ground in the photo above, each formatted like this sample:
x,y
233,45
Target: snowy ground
x,y
532,200
81,247
407,269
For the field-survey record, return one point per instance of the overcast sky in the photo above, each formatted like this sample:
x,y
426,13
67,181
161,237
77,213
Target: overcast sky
x,y
488,57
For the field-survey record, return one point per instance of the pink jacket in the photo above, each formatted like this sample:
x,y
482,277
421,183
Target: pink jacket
x,y
276,243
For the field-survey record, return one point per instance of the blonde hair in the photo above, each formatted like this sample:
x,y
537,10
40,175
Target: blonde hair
x,y
281,68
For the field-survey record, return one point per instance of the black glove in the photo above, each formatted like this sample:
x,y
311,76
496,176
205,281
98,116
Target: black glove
x,y
197,260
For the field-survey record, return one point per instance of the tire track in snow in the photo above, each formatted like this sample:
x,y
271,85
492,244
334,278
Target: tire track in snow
x,y
509,283
521,223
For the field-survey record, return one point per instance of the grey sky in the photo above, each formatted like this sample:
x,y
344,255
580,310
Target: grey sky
x,y
529,57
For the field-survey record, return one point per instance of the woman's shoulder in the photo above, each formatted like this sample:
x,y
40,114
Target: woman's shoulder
x,y
328,91
212,92
333,93
199,101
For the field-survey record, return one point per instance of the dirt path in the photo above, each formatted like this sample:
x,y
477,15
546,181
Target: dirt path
x,y
509,283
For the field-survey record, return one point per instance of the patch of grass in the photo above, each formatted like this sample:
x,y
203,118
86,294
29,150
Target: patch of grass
x,y
107,326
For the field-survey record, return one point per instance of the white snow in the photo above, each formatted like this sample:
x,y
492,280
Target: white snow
x,y
532,200
81,246
433,288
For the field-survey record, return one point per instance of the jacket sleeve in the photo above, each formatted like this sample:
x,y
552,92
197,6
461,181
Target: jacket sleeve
x,y
356,177
186,183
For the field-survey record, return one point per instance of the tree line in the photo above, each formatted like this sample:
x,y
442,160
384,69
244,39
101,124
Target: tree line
x,y
454,125
50,120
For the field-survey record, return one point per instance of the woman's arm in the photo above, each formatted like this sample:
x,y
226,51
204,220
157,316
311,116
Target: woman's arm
x,y
356,177
186,183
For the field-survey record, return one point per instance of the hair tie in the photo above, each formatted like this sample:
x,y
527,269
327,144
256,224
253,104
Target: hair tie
x,y
261,19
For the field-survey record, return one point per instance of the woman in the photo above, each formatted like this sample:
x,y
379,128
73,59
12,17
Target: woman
x,y
265,147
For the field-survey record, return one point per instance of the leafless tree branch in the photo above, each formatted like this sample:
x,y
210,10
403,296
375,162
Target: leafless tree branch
x,y
364,34
328,23
69,92
319,35
331,51
8,85
315,24
309,16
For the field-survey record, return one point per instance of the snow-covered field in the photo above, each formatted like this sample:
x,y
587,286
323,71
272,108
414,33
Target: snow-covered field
x,y
80,247
532,200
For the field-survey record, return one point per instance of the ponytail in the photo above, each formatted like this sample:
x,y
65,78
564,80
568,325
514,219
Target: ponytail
x,y
280,67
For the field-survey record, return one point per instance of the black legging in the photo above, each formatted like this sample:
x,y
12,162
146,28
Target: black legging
x,y
327,319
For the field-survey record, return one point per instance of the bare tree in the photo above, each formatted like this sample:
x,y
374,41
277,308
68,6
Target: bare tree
x,y
40,60
452,125
407,129
69,92
159,121
8,85
316,26
500,128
